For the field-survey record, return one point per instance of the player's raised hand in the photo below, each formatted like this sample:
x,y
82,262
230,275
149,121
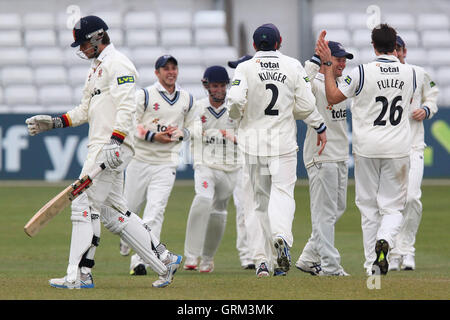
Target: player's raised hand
x,y
38,124
322,48
321,139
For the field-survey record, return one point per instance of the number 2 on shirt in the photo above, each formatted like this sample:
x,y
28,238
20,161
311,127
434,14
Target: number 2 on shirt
x,y
269,111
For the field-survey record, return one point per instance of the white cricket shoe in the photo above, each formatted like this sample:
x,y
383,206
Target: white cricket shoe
x,y
124,248
408,262
190,264
395,262
85,282
312,268
206,266
172,263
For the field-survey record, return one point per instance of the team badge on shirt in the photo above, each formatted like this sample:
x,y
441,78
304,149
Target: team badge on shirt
x,y
348,80
236,82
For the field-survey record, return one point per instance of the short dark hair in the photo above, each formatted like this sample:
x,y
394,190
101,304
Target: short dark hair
x,y
106,40
384,38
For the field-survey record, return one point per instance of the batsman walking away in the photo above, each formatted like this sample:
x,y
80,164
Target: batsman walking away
x,y
108,105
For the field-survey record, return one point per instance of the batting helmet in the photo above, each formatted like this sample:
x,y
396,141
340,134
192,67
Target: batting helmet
x,y
215,74
85,29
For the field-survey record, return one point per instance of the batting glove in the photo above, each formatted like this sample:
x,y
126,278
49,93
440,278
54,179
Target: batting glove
x,y
111,153
38,124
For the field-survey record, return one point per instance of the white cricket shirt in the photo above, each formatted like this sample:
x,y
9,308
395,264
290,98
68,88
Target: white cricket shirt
x,y
108,101
382,92
267,94
156,111
335,116
425,96
208,145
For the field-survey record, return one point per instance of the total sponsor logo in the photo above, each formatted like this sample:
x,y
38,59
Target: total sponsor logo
x,y
268,64
384,69
337,115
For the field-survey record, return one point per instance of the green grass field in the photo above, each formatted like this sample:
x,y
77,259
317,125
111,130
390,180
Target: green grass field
x,y
26,263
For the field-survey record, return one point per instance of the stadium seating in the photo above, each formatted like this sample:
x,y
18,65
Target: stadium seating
x,y
10,38
21,94
10,21
426,34
140,20
35,52
39,69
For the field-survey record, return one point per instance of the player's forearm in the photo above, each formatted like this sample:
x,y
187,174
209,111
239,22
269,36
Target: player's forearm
x,y
125,115
429,103
333,94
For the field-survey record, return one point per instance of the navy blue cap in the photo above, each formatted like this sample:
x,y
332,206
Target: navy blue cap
x,y
234,64
400,42
162,61
215,74
266,36
338,50
86,26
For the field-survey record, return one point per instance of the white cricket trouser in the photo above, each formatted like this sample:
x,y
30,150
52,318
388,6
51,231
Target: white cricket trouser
x,y
152,183
107,189
273,179
381,189
406,238
242,203
328,200
213,190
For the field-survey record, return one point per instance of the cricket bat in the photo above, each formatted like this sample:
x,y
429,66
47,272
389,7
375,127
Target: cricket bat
x,y
60,202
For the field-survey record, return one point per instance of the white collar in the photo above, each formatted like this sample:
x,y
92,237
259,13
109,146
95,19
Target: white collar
x,y
387,57
160,88
267,53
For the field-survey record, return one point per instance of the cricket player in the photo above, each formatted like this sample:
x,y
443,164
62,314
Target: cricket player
x,y
423,107
328,172
382,91
108,105
247,228
216,166
267,94
163,113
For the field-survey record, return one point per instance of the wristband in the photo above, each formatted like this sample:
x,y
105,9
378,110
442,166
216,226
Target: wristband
x,y
321,128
